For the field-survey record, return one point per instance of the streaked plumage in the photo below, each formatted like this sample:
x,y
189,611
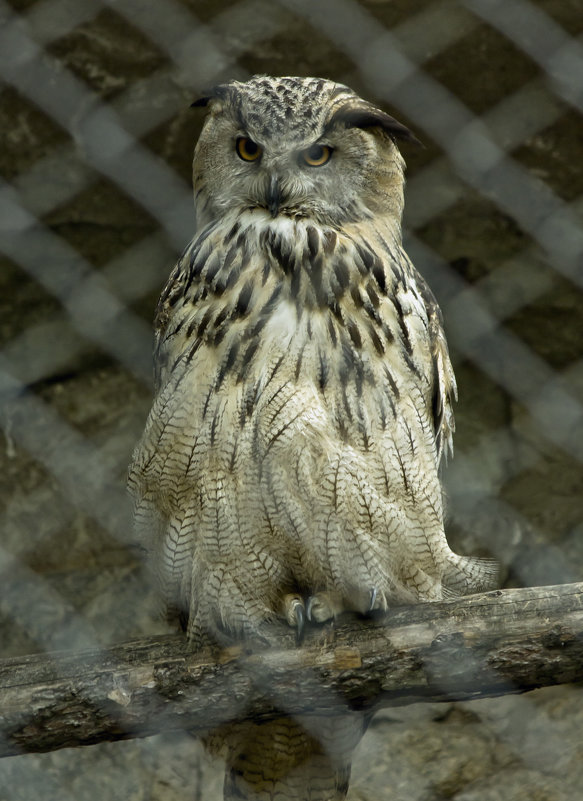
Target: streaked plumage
x,y
303,384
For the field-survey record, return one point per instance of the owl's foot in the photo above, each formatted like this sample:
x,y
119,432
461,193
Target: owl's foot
x,y
324,606
295,614
319,608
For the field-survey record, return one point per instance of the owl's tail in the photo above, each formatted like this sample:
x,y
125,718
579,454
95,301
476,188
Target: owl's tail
x,y
287,759
467,574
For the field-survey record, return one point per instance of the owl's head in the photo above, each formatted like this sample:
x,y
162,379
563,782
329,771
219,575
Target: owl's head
x,y
299,147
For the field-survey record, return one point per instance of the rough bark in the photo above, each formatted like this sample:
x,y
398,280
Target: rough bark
x,y
482,645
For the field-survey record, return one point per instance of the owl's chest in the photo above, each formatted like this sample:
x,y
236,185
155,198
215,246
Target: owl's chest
x,y
325,307
343,345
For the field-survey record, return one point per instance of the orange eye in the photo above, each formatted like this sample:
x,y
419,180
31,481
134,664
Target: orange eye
x,y
317,155
247,149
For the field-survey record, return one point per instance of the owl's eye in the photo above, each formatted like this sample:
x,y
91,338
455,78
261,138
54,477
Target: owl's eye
x,y
316,156
247,149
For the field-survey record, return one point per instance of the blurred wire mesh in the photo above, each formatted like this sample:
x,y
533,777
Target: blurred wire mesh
x,y
96,140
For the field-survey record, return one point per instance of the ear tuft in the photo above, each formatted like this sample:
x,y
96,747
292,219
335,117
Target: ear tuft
x,y
367,116
201,102
215,93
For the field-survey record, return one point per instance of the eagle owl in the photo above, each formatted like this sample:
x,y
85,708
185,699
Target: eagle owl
x,y
289,465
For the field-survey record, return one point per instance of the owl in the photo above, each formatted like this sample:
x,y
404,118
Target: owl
x,y
289,468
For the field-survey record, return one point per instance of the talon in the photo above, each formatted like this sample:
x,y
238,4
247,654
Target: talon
x,y
300,623
309,607
373,598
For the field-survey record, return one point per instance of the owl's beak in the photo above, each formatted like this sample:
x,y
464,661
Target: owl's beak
x,y
273,195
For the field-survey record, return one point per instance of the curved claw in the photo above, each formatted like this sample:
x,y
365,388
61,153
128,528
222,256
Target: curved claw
x,y
323,606
300,623
372,599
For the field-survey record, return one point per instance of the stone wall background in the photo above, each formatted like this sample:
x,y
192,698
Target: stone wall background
x,y
96,140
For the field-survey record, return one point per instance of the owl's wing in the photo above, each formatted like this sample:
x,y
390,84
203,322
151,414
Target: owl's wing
x,y
444,384
172,295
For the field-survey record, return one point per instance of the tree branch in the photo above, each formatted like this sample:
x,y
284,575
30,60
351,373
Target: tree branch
x,y
482,645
